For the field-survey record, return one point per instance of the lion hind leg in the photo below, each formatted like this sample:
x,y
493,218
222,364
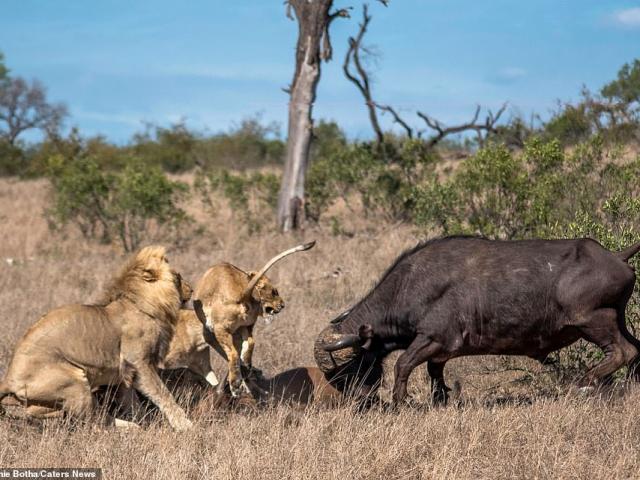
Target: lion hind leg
x,y
78,401
58,386
40,411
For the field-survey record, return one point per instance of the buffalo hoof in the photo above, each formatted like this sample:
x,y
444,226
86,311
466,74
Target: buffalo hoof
x,y
407,403
440,397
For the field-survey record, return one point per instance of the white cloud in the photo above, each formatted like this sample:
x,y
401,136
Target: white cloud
x,y
629,18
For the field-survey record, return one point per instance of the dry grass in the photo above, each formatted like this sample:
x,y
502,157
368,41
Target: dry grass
x,y
503,428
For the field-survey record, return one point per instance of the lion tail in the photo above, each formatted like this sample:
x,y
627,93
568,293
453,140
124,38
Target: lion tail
x,y
254,280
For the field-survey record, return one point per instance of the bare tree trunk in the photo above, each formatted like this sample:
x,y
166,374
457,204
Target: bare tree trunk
x,y
291,199
313,46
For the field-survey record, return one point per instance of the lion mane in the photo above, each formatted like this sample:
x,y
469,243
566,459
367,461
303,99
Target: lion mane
x,y
148,282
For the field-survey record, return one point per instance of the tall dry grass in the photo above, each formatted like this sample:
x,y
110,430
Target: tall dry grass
x,y
512,421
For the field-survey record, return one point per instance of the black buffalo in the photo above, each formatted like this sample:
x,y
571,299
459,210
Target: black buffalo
x,y
460,296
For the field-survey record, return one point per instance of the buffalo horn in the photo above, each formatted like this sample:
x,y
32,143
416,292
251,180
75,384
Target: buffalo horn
x,y
344,342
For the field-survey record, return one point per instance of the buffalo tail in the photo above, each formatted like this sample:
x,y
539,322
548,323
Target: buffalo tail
x,y
629,252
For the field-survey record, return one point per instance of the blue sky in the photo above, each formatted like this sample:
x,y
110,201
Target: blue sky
x,y
118,64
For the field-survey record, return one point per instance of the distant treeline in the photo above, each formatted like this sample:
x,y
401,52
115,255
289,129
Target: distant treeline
x,y
613,113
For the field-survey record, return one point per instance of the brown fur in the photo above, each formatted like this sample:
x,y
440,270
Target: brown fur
x,y
232,318
189,347
73,350
229,301
302,386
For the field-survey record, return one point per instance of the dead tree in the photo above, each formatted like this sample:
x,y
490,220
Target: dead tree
x,y
314,45
482,129
361,78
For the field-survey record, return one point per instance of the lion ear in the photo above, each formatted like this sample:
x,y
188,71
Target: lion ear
x,y
150,275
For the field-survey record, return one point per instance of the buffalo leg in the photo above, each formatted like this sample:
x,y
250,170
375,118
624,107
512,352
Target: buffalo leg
x,y
439,390
420,350
602,328
634,364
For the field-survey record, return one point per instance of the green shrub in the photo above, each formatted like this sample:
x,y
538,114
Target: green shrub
x,y
109,206
249,145
570,125
253,197
364,172
501,194
12,159
173,148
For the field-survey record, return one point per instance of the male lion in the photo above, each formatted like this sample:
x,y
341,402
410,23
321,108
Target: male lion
x,y
229,301
73,350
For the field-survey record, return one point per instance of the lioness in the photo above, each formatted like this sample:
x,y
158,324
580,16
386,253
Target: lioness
x,y
229,301
189,348
73,350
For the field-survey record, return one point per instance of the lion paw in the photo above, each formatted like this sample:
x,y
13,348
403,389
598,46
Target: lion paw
x,y
182,425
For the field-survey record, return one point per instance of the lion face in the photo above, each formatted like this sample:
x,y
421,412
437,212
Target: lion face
x,y
270,300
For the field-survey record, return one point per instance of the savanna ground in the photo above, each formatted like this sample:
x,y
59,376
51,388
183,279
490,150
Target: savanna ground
x,y
513,419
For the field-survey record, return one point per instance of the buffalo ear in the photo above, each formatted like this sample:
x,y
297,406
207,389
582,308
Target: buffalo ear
x,y
366,335
365,331
150,275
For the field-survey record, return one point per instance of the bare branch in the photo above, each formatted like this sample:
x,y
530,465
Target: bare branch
x,y
327,49
361,81
342,13
289,10
443,131
396,118
490,124
483,130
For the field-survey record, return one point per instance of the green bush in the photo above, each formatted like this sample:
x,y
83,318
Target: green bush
x,y
365,173
173,148
12,159
570,125
253,197
249,145
501,194
119,206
